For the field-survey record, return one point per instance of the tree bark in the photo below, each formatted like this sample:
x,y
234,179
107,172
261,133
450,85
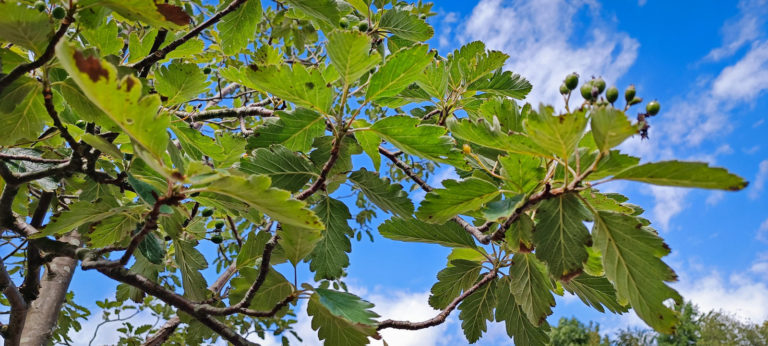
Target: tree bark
x,y
43,313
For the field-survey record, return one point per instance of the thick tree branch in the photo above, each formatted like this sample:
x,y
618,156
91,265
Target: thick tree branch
x,y
18,307
440,318
30,288
47,55
31,158
240,112
161,53
165,332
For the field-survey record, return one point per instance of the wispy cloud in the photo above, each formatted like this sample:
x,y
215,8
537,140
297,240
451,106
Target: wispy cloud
x,y
741,30
762,234
745,79
758,184
539,36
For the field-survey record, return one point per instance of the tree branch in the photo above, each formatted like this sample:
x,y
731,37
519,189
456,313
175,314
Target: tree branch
x,y
47,55
149,225
31,158
161,53
320,181
240,112
18,307
30,288
440,318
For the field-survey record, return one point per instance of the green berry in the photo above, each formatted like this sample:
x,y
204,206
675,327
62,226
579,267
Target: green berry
x,y
612,94
564,89
217,239
600,84
219,224
207,70
572,81
207,213
362,26
40,6
629,94
81,124
586,91
344,22
653,107
59,13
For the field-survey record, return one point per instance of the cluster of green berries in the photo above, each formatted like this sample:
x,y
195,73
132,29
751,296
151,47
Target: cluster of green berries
x,y
361,25
219,225
592,89
57,13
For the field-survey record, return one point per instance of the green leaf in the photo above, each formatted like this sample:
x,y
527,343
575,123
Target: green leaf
x,y
507,111
79,103
350,53
596,292
413,230
434,79
453,280
296,243
121,101
440,205
287,170
522,173
632,260
324,11
687,174
406,25
114,229
103,145
322,154
400,70
180,82
22,118
386,196
252,249
255,191
605,202
103,37
196,144
237,28
560,235
501,209
476,310
329,257
341,318
274,289
472,62
613,163
303,86
488,134
517,324
190,262
369,141
139,47
503,83
24,26
426,141
155,14
144,268
531,287
556,134
152,249
145,192
295,130
79,213
519,236
610,127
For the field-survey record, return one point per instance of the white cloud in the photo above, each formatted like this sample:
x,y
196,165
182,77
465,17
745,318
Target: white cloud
x,y
762,232
715,197
741,30
740,294
539,35
670,201
759,183
436,181
745,79
107,333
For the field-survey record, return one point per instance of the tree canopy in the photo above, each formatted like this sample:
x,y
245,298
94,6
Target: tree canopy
x,y
136,134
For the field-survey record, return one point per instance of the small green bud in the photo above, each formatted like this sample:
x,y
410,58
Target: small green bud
x,y
81,124
423,16
629,94
586,91
217,239
59,13
600,84
564,89
572,81
207,70
612,94
219,224
362,26
40,6
653,107
207,213
344,22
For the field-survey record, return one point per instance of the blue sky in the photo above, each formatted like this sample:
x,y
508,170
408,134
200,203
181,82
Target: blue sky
x,y
705,61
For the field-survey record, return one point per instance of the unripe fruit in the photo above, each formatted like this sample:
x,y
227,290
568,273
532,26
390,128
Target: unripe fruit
x,y
612,94
207,212
40,6
363,26
466,149
600,84
59,13
564,89
629,94
586,91
572,81
635,101
423,16
653,107
217,239
344,22
207,70
80,123
219,224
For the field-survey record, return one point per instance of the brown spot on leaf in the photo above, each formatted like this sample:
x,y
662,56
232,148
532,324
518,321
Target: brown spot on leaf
x,y
178,176
174,14
309,85
525,249
567,277
129,83
90,65
254,68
